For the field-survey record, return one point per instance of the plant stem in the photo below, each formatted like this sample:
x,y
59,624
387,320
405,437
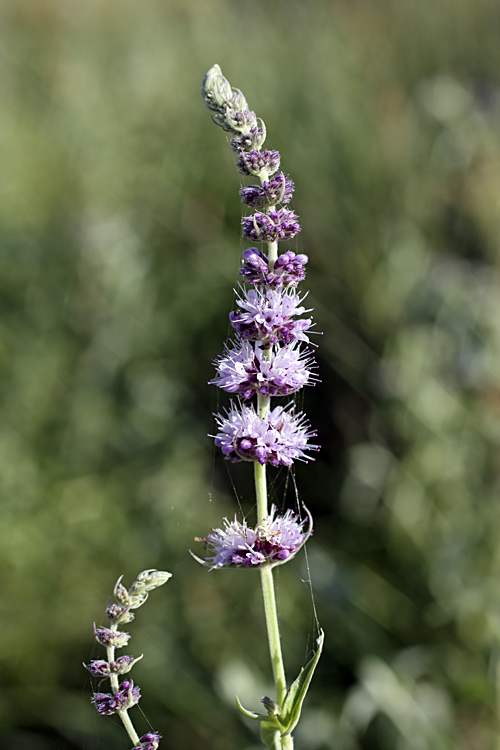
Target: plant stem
x,y
266,572
260,491
113,678
273,633
269,597
129,727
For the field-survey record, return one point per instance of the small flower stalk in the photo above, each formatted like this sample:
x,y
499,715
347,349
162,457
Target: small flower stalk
x,y
268,356
123,694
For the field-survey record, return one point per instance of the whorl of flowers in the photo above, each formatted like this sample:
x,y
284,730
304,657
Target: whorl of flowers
x,y
288,269
265,358
123,695
272,541
278,190
279,439
270,316
245,370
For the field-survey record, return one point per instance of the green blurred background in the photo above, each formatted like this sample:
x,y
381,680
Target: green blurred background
x,y
120,246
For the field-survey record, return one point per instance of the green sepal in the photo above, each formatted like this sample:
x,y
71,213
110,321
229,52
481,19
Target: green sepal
x,y
250,714
270,734
290,715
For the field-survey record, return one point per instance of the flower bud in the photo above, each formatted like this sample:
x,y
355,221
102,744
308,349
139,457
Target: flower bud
x,y
128,695
124,664
272,708
238,101
149,741
257,163
254,139
118,614
148,580
121,593
110,703
105,703
237,120
114,638
138,599
99,668
216,90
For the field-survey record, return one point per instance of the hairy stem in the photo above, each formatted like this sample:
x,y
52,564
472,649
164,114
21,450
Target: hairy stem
x,y
113,678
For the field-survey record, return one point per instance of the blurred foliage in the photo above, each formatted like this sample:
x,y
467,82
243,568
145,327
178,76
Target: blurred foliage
x,y
119,228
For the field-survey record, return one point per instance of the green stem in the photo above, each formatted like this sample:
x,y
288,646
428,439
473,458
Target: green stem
x,y
272,253
115,686
269,597
273,633
260,491
129,727
266,572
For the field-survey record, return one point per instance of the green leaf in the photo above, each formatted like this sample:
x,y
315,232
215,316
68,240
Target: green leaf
x,y
270,729
250,714
270,735
290,715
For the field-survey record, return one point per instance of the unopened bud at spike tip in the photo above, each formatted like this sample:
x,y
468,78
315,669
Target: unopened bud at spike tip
x,y
216,90
149,580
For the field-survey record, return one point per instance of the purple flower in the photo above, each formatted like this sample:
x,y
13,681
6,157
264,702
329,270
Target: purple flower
x,y
289,269
116,613
236,120
276,225
129,693
246,370
149,741
268,316
124,664
249,141
107,637
273,540
280,438
278,190
253,196
99,668
110,703
255,268
255,162
292,264
105,703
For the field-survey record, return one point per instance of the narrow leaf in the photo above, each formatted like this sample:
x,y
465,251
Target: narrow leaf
x,y
289,717
250,714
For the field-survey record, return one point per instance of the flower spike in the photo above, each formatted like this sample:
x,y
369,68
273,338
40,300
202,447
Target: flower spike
x,y
264,360
124,695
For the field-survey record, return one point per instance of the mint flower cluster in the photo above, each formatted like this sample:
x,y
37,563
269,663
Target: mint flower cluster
x,y
124,694
265,356
274,540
